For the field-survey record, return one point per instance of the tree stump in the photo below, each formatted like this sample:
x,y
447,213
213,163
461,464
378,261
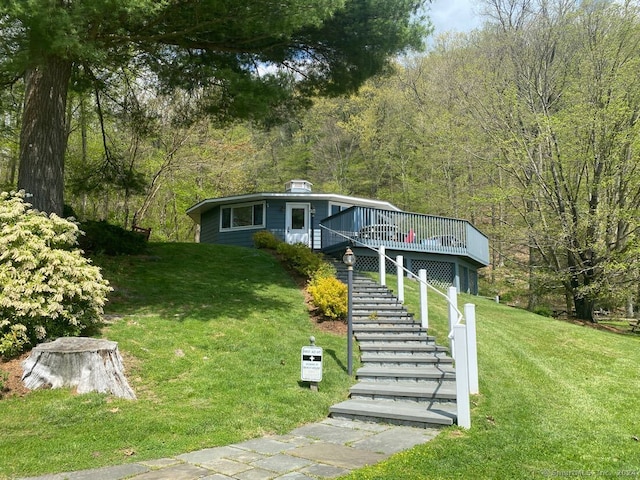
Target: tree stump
x,y
89,364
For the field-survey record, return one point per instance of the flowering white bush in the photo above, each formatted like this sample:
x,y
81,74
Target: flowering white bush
x,y
47,288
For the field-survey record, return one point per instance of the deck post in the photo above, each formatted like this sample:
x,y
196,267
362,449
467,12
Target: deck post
x,y
462,377
424,303
400,270
472,349
382,264
452,295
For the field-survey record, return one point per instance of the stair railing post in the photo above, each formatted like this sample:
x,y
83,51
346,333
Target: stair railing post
x,y
400,271
462,376
472,349
424,303
382,265
452,295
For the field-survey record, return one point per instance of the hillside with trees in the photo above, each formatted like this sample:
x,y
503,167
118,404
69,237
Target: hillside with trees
x,y
527,127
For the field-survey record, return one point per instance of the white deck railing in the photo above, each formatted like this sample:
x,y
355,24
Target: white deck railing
x,y
404,231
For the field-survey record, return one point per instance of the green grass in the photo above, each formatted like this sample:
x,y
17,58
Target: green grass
x,y
211,339
213,353
555,399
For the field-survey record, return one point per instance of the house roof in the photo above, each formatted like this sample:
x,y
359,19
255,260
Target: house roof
x,y
205,205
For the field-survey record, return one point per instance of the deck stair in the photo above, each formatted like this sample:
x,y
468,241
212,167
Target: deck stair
x,y
405,377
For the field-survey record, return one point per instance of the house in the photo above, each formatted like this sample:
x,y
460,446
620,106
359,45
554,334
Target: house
x,y
451,250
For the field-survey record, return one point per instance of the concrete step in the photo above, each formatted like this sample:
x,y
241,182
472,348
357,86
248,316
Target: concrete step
x,y
361,324
398,413
375,337
395,348
380,313
375,300
368,327
380,304
416,360
415,393
371,290
437,373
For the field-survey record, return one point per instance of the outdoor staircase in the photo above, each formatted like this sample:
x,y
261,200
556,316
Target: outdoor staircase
x,y
405,378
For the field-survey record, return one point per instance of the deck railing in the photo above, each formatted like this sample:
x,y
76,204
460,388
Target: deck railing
x,y
373,227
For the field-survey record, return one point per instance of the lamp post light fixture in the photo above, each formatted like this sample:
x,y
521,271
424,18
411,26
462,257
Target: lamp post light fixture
x,y
349,260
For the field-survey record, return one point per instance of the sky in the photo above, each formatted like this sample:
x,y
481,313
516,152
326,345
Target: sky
x,y
456,15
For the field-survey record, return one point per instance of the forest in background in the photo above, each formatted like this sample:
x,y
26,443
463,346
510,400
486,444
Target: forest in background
x,y
527,127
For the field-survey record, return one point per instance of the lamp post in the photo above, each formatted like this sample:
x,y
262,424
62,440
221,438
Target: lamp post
x,y
349,260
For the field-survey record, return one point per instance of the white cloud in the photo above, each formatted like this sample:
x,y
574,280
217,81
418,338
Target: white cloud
x,y
455,15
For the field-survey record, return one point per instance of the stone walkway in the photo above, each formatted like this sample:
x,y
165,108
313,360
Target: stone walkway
x,y
326,449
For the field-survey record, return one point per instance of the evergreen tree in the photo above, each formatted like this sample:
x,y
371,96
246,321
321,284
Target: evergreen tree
x,y
246,58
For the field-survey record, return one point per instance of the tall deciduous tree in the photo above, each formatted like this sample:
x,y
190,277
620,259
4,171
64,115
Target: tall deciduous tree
x,y
564,110
220,47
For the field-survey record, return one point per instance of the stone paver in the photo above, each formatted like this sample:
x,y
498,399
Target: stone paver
x,y
324,471
257,474
268,446
184,471
338,455
225,466
331,434
283,463
323,450
396,439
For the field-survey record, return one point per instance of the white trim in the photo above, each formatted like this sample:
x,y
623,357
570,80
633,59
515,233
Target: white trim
x,y
199,208
244,227
306,231
343,206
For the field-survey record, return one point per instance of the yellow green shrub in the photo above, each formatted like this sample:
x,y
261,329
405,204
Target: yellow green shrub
x,y
330,297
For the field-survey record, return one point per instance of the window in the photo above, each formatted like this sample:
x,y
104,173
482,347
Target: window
x,y
242,216
337,207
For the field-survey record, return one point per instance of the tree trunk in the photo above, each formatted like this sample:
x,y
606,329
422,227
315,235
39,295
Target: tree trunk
x,y
584,308
43,139
88,364
583,304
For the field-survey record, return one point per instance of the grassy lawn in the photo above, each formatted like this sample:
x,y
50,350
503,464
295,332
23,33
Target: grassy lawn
x,y
213,354
211,340
556,399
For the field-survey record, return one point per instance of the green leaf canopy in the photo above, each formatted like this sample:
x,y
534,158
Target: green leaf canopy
x,y
246,58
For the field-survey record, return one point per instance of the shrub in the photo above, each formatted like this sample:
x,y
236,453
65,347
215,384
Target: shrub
x,y
543,311
301,258
330,297
325,270
47,288
266,239
104,238
14,339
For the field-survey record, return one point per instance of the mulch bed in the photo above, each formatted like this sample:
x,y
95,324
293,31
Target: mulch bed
x,y
13,385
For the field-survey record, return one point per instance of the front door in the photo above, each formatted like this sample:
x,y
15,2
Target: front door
x,y
297,223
